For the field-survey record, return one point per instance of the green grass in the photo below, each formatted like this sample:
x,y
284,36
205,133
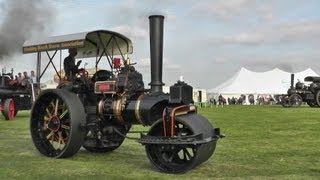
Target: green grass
x,y
262,142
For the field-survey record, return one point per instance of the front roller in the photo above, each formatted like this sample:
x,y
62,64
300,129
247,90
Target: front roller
x,y
193,143
317,98
55,123
312,103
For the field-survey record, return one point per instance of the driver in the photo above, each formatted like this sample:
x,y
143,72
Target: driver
x,y
69,64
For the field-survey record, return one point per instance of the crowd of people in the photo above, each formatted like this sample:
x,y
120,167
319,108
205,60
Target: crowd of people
x,y
21,79
243,99
25,79
236,100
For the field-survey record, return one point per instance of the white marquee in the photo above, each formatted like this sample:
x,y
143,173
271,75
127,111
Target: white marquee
x,y
275,81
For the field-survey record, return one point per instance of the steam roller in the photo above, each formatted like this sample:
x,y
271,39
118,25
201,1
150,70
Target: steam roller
x,y
97,112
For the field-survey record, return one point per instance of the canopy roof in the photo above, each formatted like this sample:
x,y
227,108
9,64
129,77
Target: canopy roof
x,y
274,81
88,44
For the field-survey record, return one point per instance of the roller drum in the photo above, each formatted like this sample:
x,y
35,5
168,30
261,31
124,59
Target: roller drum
x,y
179,158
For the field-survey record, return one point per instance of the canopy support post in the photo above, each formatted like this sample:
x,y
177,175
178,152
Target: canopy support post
x,y
60,66
105,51
38,67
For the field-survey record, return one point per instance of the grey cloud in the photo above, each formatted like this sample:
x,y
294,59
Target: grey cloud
x,y
170,70
266,12
145,64
220,60
131,32
300,31
131,16
234,9
223,9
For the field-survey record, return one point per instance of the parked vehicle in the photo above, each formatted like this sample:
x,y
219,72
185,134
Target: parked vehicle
x,y
14,96
300,93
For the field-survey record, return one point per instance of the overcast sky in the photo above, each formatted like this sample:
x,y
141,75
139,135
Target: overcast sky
x,y
206,41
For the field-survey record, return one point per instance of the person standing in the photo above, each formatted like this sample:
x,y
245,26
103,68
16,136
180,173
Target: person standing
x,y
25,80
33,78
19,78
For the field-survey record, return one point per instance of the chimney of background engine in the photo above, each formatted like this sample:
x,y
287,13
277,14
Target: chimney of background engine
x,y
156,51
292,81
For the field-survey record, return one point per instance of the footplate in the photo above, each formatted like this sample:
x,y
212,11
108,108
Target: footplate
x,y
181,140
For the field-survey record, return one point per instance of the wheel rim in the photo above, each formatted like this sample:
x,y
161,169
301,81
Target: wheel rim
x,y
55,125
11,110
173,158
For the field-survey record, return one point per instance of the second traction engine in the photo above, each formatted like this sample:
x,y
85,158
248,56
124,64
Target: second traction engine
x,y
97,114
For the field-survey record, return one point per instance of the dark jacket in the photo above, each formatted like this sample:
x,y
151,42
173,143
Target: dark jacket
x,y
69,67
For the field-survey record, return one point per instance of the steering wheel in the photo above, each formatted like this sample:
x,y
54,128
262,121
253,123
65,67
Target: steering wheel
x,y
82,72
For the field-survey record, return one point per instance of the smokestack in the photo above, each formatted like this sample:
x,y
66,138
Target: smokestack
x,y
292,81
156,51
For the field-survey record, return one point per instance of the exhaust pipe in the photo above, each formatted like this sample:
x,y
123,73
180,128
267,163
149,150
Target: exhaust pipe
x,y
156,52
292,81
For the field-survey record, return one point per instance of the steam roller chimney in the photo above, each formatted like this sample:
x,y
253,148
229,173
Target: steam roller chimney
x,y
156,52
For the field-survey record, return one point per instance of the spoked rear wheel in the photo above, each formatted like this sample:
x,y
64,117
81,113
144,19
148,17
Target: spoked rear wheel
x,y
172,158
55,123
295,100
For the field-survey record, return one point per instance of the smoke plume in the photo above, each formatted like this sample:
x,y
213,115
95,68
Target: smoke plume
x,y
21,20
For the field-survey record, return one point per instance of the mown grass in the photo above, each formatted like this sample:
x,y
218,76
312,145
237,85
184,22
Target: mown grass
x,y
262,142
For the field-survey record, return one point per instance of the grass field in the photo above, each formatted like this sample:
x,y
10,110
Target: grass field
x,y
262,142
